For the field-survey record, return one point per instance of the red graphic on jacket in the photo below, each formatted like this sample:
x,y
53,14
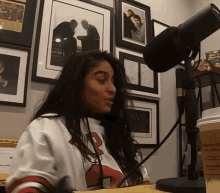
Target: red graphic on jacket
x,y
92,175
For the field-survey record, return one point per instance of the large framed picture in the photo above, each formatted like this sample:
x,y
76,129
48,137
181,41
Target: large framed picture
x,y
17,20
143,81
14,67
67,27
144,121
133,25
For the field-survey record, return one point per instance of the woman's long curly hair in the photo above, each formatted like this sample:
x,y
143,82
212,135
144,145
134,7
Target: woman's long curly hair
x,y
65,99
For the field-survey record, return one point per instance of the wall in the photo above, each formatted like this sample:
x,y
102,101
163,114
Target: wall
x,y
164,163
211,43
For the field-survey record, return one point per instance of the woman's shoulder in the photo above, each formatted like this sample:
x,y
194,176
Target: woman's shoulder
x,y
46,122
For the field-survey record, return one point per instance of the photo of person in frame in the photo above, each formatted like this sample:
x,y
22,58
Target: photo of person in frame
x,y
64,43
128,24
92,39
73,30
139,35
133,23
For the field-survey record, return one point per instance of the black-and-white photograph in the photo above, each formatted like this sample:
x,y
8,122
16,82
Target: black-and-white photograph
x,y
11,15
14,65
134,24
139,120
9,70
144,120
67,27
75,30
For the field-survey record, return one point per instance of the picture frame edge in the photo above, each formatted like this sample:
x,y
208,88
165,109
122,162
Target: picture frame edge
x,y
38,37
28,50
149,95
157,102
128,45
18,41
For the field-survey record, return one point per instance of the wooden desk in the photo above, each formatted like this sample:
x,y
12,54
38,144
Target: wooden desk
x,y
135,189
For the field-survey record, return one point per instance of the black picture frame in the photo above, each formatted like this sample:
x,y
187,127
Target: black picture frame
x,y
14,74
144,121
143,81
18,28
43,70
158,27
127,41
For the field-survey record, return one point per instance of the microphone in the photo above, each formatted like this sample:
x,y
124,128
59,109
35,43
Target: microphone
x,y
165,51
174,44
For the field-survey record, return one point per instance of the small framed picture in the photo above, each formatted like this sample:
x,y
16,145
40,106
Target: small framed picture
x,y
17,20
143,81
14,67
144,121
67,27
133,25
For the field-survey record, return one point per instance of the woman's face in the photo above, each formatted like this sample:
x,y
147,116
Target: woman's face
x,y
99,90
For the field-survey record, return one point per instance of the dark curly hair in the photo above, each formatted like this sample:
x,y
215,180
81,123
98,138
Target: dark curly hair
x,y
64,99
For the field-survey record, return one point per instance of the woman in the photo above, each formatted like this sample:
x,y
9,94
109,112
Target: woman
x,y
81,125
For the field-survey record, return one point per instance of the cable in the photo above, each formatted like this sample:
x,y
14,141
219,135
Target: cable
x,y
100,165
199,57
145,159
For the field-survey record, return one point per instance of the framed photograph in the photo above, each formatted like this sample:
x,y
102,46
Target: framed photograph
x,y
144,121
133,25
14,67
17,20
68,27
157,28
143,81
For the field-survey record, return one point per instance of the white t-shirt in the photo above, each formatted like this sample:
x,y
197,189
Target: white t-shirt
x,y
44,156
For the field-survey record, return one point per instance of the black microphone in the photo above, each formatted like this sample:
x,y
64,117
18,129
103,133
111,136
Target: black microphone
x,y
165,51
174,44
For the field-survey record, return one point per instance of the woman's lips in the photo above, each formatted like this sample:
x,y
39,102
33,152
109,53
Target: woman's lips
x,y
109,102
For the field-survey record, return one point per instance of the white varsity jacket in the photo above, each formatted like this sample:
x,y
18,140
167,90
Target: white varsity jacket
x,y
44,155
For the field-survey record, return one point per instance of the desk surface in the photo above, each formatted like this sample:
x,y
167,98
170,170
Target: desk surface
x,y
137,189
134,189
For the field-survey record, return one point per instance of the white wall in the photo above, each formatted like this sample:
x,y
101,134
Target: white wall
x,y
211,43
164,164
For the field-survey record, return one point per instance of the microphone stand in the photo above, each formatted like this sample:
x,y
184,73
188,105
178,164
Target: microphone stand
x,y
192,183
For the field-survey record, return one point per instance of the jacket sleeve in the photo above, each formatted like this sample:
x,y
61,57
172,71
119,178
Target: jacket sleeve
x,y
143,169
33,165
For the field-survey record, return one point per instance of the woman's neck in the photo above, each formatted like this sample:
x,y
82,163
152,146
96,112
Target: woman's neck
x,y
93,115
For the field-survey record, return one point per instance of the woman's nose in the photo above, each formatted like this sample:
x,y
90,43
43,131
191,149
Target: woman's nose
x,y
112,87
